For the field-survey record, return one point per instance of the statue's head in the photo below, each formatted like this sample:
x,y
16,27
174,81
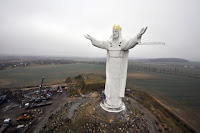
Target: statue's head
x,y
116,32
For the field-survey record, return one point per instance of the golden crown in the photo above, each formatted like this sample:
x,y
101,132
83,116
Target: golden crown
x,y
117,27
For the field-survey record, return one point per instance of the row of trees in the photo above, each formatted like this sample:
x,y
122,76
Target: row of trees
x,y
174,71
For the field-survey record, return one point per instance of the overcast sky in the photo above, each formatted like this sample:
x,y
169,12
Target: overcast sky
x,y
56,27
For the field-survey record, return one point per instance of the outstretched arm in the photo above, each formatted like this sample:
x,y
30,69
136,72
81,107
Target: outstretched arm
x,y
99,44
134,41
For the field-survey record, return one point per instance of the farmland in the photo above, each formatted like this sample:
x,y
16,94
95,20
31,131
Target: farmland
x,y
31,75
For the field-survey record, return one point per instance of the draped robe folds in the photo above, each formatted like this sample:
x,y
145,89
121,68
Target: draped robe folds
x,y
116,68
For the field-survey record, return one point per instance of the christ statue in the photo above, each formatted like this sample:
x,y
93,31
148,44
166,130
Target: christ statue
x,y
116,67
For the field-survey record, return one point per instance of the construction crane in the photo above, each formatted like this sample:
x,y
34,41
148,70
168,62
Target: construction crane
x,y
152,43
147,43
41,87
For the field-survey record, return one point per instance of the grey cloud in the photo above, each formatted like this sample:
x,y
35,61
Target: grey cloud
x,y
51,27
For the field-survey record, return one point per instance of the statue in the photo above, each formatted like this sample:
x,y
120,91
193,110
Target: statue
x,y
116,67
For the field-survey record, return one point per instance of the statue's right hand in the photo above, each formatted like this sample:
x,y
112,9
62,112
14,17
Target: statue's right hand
x,y
88,37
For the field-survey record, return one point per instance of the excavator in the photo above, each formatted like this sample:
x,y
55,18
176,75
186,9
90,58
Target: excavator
x,y
24,117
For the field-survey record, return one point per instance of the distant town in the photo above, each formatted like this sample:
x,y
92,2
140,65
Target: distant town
x,y
28,63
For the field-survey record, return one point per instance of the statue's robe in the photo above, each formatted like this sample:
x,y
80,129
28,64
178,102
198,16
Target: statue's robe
x,y
116,68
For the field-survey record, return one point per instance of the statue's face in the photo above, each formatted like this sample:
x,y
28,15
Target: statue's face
x,y
115,34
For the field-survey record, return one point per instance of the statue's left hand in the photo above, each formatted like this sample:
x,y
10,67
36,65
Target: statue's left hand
x,y
143,30
88,37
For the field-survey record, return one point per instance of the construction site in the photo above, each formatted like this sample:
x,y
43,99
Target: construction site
x,y
22,109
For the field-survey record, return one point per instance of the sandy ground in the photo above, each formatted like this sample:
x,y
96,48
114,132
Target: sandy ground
x,y
95,94
5,82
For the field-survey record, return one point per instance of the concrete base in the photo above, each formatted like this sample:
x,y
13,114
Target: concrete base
x,y
109,108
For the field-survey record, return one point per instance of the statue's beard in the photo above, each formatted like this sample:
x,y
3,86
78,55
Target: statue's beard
x,y
119,37
115,38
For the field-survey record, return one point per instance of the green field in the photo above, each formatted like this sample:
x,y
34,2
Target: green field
x,y
32,75
184,90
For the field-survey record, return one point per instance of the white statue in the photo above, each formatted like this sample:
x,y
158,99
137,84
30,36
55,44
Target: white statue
x,y
116,67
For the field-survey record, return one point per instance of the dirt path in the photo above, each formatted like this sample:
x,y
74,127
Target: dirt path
x,y
147,114
71,111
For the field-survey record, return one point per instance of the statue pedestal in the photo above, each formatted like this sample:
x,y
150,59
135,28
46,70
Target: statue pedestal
x,y
110,108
